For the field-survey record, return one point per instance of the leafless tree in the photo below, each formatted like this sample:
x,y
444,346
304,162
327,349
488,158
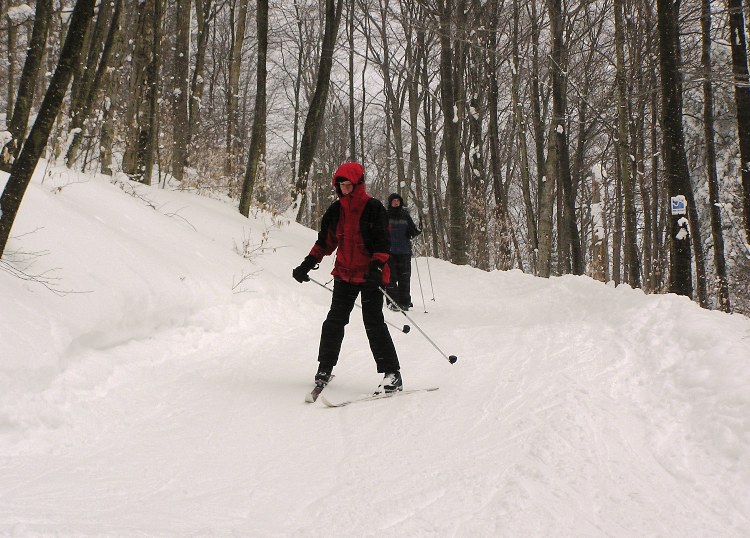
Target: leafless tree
x,y
24,166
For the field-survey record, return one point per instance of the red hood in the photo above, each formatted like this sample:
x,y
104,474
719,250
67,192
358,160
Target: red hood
x,y
355,173
345,236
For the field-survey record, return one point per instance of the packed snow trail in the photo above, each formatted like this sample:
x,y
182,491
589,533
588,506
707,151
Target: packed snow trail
x,y
576,409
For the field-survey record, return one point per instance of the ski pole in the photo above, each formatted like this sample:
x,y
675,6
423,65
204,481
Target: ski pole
x,y
427,259
451,359
430,274
405,329
419,279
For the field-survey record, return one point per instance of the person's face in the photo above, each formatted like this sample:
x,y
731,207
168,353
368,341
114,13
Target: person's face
x,y
395,202
346,187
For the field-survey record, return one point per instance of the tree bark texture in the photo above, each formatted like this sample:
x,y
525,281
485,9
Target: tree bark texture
x,y
88,98
722,282
27,85
181,96
233,89
23,168
675,160
626,162
258,136
742,101
452,139
314,120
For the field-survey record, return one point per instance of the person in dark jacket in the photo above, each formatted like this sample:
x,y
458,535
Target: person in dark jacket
x,y
356,226
403,230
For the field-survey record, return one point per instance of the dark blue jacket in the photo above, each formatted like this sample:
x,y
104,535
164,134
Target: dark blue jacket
x,y
401,226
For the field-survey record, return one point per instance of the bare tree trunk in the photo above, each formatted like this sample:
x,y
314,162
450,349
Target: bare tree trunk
x,y
111,81
722,284
363,108
617,265
675,160
501,201
451,138
557,140
563,231
256,158
536,112
546,206
233,89
350,31
638,135
477,178
94,44
599,262
203,9
140,91
297,90
23,168
521,129
181,96
657,264
317,108
87,101
393,107
151,135
26,86
12,36
414,171
742,100
411,90
430,152
641,43
623,147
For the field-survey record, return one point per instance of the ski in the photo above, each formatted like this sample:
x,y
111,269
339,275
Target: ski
x,y
372,397
312,396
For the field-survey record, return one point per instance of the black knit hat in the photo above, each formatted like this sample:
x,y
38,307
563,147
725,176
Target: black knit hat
x,y
395,196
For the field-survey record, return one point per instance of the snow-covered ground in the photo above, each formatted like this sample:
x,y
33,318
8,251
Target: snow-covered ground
x,y
160,390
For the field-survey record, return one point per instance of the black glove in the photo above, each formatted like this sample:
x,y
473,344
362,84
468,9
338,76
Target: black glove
x,y
300,273
374,276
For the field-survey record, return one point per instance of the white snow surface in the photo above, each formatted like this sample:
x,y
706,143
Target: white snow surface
x,y
153,399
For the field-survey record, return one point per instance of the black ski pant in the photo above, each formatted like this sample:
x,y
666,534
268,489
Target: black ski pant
x,y
332,334
399,288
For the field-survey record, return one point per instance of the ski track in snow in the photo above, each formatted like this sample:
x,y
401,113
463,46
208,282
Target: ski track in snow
x,y
224,426
573,410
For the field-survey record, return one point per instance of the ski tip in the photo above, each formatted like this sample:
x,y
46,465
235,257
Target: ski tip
x,y
328,403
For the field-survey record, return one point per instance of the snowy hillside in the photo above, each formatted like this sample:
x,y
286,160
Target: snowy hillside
x,y
160,390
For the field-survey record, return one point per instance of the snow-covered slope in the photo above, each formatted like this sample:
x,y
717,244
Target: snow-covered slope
x,y
160,392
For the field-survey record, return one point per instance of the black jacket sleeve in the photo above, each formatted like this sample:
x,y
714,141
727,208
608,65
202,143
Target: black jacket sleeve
x,y
327,240
374,229
411,230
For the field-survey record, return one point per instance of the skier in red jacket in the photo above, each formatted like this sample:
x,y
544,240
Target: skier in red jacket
x,y
357,225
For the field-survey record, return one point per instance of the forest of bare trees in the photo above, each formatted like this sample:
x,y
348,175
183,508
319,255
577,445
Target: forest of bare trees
x,y
609,138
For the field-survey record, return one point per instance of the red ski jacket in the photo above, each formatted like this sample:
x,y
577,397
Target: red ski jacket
x,y
357,225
